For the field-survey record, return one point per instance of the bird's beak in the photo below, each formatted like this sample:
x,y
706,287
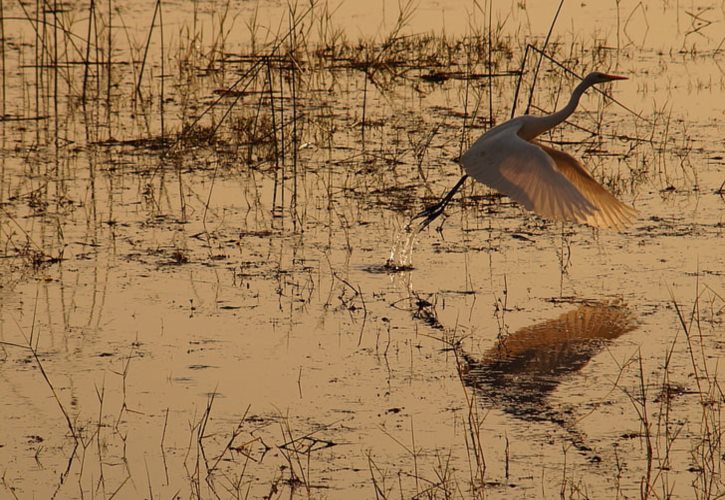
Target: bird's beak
x,y
617,77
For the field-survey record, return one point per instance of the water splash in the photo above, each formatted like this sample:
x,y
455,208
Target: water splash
x,y
401,253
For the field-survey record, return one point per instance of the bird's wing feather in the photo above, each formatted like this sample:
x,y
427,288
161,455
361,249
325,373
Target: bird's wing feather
x,y
610,213
527,174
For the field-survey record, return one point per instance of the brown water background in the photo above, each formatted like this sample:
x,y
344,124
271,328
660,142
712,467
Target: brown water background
x,y
207,289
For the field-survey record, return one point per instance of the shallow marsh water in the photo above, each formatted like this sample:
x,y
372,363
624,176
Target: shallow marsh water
x,y
210,301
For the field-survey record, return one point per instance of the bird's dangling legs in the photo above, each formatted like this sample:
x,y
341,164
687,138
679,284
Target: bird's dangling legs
x,y
434,211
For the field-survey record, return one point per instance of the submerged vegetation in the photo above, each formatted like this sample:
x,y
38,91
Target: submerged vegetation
x,y
196,209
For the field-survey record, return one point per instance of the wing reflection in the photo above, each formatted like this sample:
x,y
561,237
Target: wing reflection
x,y
520,372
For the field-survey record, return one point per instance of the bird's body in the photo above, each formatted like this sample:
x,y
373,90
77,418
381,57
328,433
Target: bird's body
x,y
547,181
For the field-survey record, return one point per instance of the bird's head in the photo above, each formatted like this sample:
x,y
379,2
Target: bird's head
x,y
597,77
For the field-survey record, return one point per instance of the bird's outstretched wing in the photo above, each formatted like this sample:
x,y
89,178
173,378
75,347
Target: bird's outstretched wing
x,y
527,174
611,213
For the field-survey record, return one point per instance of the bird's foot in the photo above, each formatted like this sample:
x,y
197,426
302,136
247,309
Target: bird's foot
x,y
434,211
430,214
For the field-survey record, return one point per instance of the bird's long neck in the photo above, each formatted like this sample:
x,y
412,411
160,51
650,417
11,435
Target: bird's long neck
x,y
537,125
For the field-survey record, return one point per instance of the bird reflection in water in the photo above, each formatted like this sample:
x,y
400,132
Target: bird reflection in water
x,y
524,368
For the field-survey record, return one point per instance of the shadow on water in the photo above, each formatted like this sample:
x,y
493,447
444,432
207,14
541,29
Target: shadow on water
x,y
521,371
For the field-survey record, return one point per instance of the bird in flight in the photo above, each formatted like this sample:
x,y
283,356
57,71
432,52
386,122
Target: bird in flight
x,y
547,181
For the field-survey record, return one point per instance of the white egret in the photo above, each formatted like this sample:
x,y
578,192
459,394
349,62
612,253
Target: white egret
x,y
547,181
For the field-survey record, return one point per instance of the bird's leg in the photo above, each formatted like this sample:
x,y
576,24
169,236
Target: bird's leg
x,y
434,211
